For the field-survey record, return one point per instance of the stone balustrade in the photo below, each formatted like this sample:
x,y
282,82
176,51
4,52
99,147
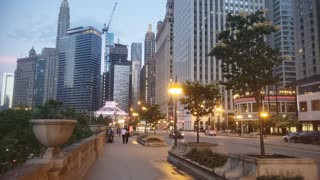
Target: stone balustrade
x,y
75,163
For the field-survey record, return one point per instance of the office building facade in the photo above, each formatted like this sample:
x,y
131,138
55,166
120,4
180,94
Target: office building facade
x,y
196,24
109,43
51,72
6,91
307,33
24,79
164,60
281,14
79,69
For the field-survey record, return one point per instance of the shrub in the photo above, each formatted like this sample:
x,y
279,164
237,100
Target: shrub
x,y
207,158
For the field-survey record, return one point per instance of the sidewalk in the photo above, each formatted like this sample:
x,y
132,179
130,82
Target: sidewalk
x,y
132,161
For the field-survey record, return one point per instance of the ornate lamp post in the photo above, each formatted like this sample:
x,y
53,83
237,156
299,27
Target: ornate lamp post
x,y
175,90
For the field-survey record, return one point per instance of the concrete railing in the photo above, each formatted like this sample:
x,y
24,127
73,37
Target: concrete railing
x,y
75,164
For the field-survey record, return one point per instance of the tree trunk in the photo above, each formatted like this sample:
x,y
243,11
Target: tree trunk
x,y
259,104
198,124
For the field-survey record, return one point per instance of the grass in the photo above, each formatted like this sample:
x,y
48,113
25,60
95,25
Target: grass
x,y
207,158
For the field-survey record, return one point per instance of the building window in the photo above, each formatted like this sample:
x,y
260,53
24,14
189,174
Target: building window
x,y
315,105
303,106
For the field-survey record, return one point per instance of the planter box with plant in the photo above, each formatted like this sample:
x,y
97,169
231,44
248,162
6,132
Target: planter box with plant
x,y
52,127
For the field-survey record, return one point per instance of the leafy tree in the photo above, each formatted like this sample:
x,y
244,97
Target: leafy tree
x,y
199,99
152,113
52,109
246,59
284,121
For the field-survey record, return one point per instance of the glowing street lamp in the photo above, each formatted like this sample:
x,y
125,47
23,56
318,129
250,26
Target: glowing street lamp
x,y
175,90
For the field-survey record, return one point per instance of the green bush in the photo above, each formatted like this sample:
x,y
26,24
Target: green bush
x,y
207,158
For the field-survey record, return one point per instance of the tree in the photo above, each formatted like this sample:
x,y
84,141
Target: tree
x,y
284,121
152,113
246,59
199,99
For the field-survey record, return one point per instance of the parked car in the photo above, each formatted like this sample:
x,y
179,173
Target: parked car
x,y
210,133
287,138
307,137
179,134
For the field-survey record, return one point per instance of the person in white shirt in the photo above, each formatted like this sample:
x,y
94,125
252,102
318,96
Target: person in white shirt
x,y
123,134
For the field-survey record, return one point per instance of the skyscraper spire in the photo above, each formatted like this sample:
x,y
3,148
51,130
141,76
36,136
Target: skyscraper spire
x,y
150,28
63,21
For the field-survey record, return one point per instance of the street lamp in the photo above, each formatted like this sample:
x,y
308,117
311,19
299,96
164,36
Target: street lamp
x,y
175,90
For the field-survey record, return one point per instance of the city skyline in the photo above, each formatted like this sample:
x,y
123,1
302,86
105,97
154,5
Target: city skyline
x,y
39,28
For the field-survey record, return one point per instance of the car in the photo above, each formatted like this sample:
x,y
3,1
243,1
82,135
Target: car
x,y
307,137
179,134
287,138
210,133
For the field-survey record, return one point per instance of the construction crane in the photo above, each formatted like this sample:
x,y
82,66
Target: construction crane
x,y
106,28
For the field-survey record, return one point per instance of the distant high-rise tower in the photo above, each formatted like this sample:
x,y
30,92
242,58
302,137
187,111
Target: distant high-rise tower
x,y
149,45
109,43
79,69
136,59
164,59
6,90
148,80
50,82
118,54
24,81
63,21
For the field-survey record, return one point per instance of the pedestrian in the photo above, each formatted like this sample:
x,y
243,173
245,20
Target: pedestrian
x,y
123,133
118,131
127,136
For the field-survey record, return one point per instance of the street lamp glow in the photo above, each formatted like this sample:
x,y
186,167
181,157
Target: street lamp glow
x,y
239,117
175,90
135,114
264,114
144,108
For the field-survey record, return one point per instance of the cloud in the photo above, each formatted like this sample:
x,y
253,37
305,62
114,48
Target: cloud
x,y
8,63
42,33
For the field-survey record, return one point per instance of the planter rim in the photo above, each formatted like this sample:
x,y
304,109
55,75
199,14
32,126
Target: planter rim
x,y
52,121
246,157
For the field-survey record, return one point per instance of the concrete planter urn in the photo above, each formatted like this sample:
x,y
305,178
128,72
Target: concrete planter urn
x,y
52,133
95,128
249,167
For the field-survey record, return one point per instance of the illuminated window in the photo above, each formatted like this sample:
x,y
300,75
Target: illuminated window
x,y
303,106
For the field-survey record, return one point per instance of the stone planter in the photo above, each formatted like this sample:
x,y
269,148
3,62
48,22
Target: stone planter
x,y
185,147
52,133
95,128
151,140
248,167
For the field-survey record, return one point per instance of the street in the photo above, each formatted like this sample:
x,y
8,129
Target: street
x,y
273,145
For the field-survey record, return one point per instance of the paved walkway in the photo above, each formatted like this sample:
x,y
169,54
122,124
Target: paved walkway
x,y
134,162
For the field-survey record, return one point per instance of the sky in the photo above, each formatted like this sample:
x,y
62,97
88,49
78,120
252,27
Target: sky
x,y
27,23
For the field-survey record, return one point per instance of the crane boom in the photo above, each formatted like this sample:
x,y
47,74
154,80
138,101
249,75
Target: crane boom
x,y
106,28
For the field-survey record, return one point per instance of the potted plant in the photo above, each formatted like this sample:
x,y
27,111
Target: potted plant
x,y
52,127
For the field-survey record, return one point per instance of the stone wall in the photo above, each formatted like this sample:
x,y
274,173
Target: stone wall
x,y
75,164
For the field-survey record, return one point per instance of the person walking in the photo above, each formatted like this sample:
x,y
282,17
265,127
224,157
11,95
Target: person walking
x,y
127,136
123,133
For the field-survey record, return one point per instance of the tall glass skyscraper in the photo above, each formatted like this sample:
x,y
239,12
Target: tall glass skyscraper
x,y
63,21
109,43
136,59
6,90
79,69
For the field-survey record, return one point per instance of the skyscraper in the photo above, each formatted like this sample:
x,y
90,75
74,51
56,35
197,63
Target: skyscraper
x,y
281,13
307,33
164,59
109,43
121,84
148,96
149,45
39,80
196,24
6,91
24,81
136,60
50,82
63,21
79,69
118,54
